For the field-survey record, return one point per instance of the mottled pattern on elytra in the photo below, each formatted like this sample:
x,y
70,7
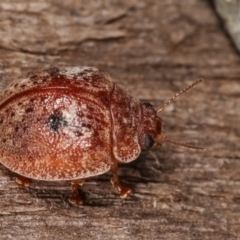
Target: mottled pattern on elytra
x,y
86,78
126,114
68,124
80,147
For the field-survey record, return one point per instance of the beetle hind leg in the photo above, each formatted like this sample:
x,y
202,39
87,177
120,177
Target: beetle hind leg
x,y
23,181
121,190
75,199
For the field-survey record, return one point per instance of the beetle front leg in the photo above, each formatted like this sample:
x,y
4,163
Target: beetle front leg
x,y
75,199
123,191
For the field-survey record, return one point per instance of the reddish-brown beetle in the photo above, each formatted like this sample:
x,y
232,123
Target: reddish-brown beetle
x,y
72,124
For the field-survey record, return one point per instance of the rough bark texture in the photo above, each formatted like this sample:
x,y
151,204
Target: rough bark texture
x,y
154,48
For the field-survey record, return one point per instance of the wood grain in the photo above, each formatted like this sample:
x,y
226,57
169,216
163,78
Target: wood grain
x,y
154,48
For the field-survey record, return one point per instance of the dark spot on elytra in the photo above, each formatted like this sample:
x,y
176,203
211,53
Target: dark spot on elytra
x,y
23,86
1,121
16,129
32,100
29,110
55,121
86,125
16,85
25,128
78,134
4,140
19,104
12,114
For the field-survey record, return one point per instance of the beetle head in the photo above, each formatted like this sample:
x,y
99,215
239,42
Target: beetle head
x,y
151,128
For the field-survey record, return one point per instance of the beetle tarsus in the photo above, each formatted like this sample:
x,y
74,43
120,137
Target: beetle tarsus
x,y
122,190
75,199
23,181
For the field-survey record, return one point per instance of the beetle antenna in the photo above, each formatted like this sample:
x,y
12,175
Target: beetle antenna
x,y
161,138
178,94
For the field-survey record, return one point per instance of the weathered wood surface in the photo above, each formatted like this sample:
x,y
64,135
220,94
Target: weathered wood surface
x,y
155,48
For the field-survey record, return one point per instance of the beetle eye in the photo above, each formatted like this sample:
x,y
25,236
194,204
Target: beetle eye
x,y
148,140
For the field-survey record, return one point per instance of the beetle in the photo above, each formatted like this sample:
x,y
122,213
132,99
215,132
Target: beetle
x,y
72,124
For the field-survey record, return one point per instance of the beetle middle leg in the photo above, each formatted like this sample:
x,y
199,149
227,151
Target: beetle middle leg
x,y
123,191
75,199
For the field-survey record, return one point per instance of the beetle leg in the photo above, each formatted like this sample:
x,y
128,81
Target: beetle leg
x,y
23,181
123,191
75,199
